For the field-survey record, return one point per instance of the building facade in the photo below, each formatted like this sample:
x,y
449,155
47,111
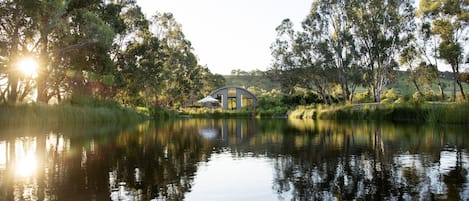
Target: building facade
x,y
234,97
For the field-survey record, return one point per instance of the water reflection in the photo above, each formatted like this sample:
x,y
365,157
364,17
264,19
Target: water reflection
x,y
196,159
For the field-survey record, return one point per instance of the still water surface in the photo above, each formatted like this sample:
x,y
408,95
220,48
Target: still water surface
x,y
203,159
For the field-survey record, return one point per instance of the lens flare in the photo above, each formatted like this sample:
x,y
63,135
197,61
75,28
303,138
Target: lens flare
x,y
28,67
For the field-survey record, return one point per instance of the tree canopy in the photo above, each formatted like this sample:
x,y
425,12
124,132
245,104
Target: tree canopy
x,y
100,49
345,44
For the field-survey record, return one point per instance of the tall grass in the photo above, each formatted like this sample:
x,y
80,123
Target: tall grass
x,y
66,114
454,113
449,113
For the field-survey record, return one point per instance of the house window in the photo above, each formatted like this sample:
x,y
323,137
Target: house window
x,y
245,100
231,92
232,103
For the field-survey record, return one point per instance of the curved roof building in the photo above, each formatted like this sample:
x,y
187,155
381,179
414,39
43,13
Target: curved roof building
x,y
234,97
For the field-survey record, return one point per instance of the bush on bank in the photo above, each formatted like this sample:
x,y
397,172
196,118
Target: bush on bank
x,y
453,113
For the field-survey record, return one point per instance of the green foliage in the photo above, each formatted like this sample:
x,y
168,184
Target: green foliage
x,y
82,101
363,97
448,20
412,111
449,113
389,96
271,107
417,97
301,99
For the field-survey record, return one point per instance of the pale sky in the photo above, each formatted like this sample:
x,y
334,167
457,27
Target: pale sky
x,y
231,34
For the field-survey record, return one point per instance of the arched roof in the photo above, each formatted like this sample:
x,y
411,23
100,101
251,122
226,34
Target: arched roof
x,y
237,87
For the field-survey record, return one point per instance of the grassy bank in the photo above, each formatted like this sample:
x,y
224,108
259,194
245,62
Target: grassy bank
x,y
67,114
453,113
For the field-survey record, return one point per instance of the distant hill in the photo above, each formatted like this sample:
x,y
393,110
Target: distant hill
x,y
405,87
401,84
249,81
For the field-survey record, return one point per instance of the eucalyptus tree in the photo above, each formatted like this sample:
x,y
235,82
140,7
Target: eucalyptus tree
x,y
182,72
427,47
73,45
142,70
285,67
408,57
317,68
329,27
380,28
17,29
69,39
450,22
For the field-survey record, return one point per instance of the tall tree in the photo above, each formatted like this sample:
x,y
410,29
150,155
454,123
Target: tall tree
x,y
328,24
181,65
427,45
284,68
380,28
17,30
408,57
450,21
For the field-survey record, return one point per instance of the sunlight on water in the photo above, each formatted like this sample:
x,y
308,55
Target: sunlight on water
x,y
3,155
238,160
26,163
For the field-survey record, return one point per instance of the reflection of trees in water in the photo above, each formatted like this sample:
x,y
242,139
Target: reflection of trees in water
x,y
141,164
338,164
317,161
158,163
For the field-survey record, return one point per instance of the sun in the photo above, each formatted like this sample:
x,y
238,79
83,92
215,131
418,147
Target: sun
x,y
28,66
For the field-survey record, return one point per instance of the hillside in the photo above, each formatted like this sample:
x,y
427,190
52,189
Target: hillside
x,y
260,84
250,81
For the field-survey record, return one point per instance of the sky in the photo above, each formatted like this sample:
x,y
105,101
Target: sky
x,y
231,34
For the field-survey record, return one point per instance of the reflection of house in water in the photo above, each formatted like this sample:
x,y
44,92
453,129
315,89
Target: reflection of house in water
x,y
229,131
234,98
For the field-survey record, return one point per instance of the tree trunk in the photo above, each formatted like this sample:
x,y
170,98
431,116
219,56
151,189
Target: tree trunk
x,y
414,80
13,89
345,89
12,75
453,97
440,86
376,95
417,87
458,82
461,89
42,95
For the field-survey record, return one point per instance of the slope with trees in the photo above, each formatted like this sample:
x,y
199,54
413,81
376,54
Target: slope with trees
x,y
345,45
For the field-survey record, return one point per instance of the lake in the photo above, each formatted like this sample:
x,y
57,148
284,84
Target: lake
x,y
207,159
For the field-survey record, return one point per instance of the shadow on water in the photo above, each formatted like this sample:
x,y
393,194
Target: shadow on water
x,y
309,160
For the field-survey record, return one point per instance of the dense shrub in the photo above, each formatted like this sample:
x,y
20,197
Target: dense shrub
x,y
302,99
412,111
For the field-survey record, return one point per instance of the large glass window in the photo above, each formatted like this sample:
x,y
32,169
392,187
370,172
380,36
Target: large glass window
x,y
245,100
231,92
232,103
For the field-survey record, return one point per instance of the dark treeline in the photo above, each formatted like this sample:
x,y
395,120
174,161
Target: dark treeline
x,y
345,44
100,49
